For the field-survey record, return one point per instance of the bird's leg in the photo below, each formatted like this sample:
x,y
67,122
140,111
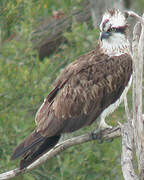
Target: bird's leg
x,y
103,124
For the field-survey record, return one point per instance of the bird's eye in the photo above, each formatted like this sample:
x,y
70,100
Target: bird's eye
x,y
112,30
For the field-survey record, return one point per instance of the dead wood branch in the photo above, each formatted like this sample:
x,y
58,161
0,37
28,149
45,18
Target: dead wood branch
x,y
138,128
99,135
127,152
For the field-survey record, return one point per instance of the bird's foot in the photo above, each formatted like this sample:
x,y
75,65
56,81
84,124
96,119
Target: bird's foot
x,y
97,135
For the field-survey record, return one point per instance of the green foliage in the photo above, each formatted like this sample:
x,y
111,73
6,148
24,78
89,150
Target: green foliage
x,y
139,6
25,82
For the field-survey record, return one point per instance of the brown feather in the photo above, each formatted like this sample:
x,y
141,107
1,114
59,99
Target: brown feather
x,y
82,91
33,147
93,82
38,150
29,143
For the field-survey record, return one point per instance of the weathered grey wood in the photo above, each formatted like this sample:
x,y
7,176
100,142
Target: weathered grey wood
x,y
138,126
99,135
127,152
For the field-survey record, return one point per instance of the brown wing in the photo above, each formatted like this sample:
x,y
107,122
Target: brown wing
x,y
83,90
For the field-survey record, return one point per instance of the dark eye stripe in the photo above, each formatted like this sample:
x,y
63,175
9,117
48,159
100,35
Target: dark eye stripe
x,y
119,29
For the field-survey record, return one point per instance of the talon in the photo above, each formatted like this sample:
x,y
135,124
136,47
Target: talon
x,y
96,135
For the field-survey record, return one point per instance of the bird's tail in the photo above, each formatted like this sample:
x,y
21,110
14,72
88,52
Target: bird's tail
x,y
33,147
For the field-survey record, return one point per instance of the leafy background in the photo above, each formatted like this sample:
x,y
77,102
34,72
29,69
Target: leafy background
x,y
25,81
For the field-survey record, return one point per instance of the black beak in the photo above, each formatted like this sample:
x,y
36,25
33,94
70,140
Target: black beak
x,y
105,35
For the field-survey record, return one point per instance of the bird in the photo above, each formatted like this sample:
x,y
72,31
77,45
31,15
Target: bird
x,y
89,88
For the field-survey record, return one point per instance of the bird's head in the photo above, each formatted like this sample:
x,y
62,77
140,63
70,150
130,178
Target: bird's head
x,y
114,30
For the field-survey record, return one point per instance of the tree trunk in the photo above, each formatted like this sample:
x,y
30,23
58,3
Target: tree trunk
x,y
137,100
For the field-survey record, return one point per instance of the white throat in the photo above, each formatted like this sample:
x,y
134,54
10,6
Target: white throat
x,y
116,45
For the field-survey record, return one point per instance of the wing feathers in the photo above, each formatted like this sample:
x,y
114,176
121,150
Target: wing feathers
x,y
86,86
82,91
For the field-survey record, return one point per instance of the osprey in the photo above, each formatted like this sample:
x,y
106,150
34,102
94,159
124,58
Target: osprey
x,y
90,87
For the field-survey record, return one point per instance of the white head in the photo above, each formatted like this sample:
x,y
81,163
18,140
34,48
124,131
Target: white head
x,y
114,33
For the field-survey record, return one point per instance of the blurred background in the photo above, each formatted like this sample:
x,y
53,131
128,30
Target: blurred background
x,y
38,38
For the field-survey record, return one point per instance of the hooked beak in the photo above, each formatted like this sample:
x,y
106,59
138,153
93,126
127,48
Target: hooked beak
x,y
104,35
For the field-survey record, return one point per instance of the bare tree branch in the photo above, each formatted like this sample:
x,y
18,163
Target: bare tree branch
x,y
133,14
137,104
127,153
127,109
99,135
138,129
